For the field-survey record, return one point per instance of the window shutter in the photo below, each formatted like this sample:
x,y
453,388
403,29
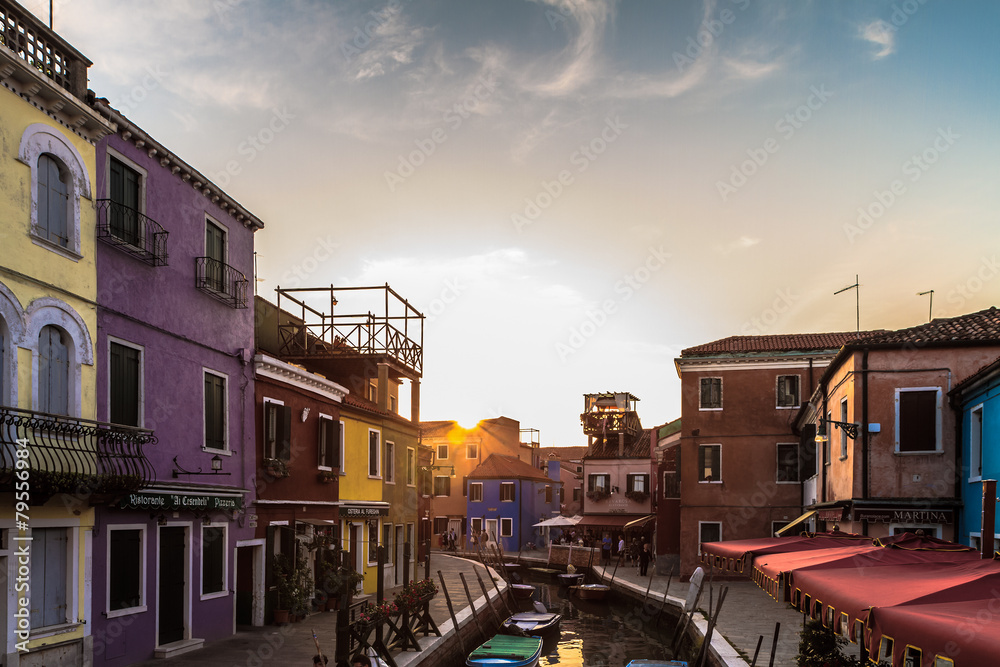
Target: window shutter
x,y
285,432
702,455
465,485
332,443
630,483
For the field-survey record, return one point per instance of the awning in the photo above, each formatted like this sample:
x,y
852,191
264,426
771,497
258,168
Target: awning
x,y
608,520
639,523
801,519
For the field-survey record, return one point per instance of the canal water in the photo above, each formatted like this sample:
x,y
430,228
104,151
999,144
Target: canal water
x,y
607,633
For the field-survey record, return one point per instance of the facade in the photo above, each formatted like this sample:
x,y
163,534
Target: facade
x,y
668,497
174,349
299,448
506,497
741,463
617,468
976,401
48,351
889,459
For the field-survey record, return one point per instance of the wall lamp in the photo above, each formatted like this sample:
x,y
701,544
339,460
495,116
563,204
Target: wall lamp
x,y
850,428
216,468
430,468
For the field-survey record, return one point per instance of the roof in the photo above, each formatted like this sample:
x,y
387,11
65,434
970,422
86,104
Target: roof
x,y
608,449
669,428
498,466
776,343
982,374
573,453
979,327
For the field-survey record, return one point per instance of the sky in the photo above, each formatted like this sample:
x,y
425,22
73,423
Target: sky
x,y
574,191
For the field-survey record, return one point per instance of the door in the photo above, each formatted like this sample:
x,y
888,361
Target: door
x,y
172,589
244,585
492,531
397,560
357,548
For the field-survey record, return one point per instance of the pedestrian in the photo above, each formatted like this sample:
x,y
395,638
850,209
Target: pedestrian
x,y
606,550
360,660
451,539
633,552
644,557
621,546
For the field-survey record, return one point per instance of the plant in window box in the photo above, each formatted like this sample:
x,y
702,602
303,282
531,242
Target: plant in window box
x,y
415,594
327,476
276,468
598,495
637,496
376,614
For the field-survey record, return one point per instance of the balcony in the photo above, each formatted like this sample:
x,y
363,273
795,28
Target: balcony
x,y
221,281
610,423
132,232
68,455
43,50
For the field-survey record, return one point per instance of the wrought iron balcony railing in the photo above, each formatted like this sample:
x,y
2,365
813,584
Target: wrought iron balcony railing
x,y
221,281
610,422
70,455
42,49
132,232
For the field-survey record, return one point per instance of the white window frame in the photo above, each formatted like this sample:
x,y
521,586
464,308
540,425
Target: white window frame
x,y
209,220
479,488
49,311
378,454
141,527
143,174
511,485
443,448
272,454
607,488
389,455
510,526
469,453
323,416
976,442
647,480
475,525
225,411
938,444
142,375
702,523
702,408
777,394
711,481
434,492
225,561
411,466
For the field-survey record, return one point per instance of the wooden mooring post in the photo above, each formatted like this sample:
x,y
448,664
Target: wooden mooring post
x,y
472,605
451,611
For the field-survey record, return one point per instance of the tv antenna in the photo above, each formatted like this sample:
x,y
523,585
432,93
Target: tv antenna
x,y
857,299
930,308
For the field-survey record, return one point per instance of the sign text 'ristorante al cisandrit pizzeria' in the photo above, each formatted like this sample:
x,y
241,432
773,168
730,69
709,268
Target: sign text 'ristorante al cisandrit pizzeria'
x,y
175,501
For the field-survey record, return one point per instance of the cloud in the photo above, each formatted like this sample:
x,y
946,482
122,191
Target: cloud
x,y
750,69
580,59
742,243
882,35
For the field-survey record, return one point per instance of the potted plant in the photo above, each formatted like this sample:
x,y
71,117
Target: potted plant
x,y
327,476
285,584
276,468
637,496
598,495
413,596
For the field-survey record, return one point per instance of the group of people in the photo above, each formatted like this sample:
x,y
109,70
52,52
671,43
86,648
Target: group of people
x,y
638,555
449,540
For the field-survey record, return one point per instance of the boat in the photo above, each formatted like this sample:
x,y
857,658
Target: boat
x,y
523,591
532,623
592,591
658,663
571,579
506,651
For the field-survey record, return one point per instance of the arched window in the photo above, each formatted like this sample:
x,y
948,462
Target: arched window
x,y
3,362
53,201
53,371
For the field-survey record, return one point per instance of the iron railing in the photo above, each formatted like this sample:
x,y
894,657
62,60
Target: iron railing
x,y
221,281
42,49
602,423
70,455
132,232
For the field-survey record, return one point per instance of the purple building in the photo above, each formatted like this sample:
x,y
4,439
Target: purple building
x,y
176,564
506,497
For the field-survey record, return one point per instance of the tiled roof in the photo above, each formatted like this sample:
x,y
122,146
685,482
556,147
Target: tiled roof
x,y
982,326
776,343
575,452
365,404
982,373
608,449
497,466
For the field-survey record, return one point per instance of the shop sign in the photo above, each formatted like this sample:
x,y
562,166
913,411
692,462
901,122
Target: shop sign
x,y
355,512
172,501
888,515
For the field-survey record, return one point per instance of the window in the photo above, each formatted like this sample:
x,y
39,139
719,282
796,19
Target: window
x,y
709,463
126,202
788,463
440,524
125,384
374,453
215,411
577,492
600,482
475,492
387,541
277,430
389,470
411,466
213,561
126,558
788,391
328,446
442,485
472,450
372,541
638,483
918,419
49,563
392,404
843,431
53,371
711,394
506,527
507,494
548,494
53,201
215,251
671,486
976,443
442,452
373,391
475,525
341,460
709,531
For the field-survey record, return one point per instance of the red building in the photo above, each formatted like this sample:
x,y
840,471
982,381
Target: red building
x,y
667,488
742,465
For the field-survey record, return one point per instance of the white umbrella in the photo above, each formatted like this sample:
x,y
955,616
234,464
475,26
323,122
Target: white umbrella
x,y
558,521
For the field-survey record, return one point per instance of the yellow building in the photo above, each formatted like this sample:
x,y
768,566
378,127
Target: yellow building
x,y
48,317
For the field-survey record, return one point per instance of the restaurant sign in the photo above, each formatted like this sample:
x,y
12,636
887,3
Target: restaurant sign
x,y
173,501
364,511
888,515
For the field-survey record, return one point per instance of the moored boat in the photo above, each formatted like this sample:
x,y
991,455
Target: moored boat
x,y
531,623
523,591
506,651
658,663
570,579
592,591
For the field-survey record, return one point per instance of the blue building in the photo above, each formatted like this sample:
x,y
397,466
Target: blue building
x,y
977,400
506,497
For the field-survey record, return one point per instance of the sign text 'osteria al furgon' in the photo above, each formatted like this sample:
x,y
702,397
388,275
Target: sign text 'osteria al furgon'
x,y
172,501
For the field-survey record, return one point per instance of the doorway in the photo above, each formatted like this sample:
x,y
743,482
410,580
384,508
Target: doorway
x,y
172,585
397,560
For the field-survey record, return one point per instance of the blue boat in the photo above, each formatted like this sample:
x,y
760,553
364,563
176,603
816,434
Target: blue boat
x,y
507,651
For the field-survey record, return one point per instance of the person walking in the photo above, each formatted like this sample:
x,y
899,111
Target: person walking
x,y
606,550
644,557
621,546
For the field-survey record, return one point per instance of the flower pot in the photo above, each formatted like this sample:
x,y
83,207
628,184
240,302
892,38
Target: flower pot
x,y
281,616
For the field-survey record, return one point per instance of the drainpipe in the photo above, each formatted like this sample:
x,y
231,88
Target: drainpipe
x,y
864,433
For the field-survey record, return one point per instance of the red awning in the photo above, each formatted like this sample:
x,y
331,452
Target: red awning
x,y
734,554
941,629
606,520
